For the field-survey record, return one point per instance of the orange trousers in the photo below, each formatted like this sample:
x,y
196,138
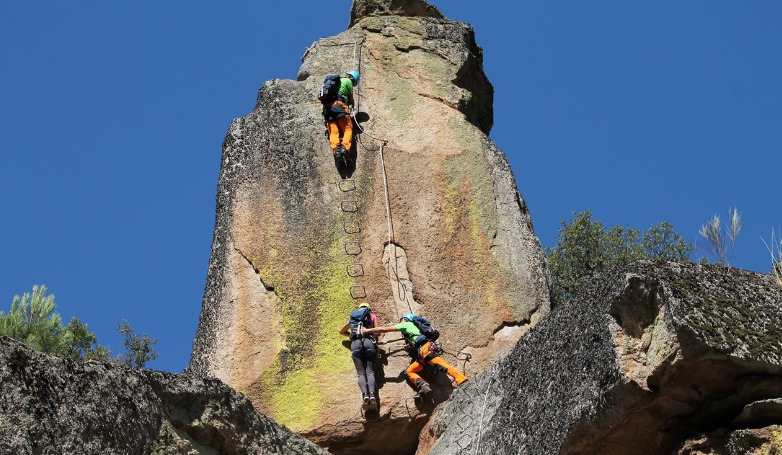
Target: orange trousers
x,y
418,365
343,125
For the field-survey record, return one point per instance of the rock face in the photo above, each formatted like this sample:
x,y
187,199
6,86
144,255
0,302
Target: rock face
x,y
654,359
52,405
430,221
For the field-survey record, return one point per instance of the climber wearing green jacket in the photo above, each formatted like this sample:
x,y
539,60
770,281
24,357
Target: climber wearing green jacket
x,y
338,120
424,353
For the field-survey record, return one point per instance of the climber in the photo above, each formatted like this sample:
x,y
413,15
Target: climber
x,y
424,354
336,114
364,351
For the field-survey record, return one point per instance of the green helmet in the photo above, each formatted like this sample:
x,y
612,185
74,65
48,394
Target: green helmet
x,y
354,75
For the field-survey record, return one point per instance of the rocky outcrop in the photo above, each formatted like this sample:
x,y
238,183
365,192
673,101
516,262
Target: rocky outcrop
x,y
653,359
430,220
402,8
54,405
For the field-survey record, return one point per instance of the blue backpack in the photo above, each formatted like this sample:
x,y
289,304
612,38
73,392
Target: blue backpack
x,y
359,318
428,333
330,90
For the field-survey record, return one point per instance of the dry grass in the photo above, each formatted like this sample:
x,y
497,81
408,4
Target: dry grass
x,y
775,249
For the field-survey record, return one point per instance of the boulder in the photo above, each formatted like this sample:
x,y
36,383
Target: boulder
x,y
641,361
54,405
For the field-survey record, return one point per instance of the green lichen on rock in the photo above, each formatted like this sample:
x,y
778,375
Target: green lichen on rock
x,y
313,313
466,176
400,101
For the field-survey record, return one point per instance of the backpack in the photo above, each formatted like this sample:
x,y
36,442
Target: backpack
x,y
428,333
330,90
359,318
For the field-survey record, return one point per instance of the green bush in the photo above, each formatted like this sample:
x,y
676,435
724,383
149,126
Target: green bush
x,y
585,248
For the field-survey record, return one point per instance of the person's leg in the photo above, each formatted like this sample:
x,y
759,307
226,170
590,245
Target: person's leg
x,y
359,360
333,135
452,372
368,386
346,125
369,365
412,375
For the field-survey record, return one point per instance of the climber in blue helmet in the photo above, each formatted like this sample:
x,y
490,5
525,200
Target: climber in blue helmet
x,y
424,353
338,120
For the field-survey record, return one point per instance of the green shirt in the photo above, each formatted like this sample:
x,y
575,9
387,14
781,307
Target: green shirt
x,y
409,331
345,88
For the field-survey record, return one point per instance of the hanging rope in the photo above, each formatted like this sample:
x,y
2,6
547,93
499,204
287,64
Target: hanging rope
x,y
357,67
483,411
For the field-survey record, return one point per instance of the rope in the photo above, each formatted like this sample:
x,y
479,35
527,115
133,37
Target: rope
x,y
483,411
357,67
389,224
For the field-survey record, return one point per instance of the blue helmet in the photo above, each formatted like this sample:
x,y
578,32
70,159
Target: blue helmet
x,y
354,75
408,316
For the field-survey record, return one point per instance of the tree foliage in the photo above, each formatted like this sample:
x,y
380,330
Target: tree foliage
x,y
140,348
585,248
34,322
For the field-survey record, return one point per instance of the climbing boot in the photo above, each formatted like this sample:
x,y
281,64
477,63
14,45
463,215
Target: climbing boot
x,y
424,390
341,155
365,402
372,402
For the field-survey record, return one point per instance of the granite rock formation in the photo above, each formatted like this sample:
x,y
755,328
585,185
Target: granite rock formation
x,y
651,359
430,220
51,405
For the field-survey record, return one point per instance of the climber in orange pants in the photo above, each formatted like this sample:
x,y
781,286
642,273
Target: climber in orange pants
x,y
340,126
339,123
425,353
427,356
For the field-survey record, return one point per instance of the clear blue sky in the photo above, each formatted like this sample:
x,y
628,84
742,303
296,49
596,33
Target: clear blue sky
x,y
112,116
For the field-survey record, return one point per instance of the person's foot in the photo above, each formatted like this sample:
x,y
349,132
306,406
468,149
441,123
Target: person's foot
x,y
424,390
365,401
372,401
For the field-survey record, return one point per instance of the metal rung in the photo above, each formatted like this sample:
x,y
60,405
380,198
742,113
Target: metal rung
x,y
349,206
464,442
355,270
464,422
351,227
358,291
353,247
346,185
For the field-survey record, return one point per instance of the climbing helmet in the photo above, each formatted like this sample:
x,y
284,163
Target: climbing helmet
x,y
354,75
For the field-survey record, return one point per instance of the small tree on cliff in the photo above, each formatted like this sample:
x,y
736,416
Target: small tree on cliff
x,y
140,348
585,248
33,321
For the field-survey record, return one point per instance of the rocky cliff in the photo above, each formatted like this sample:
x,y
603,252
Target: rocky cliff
x,y
429,221
653,359
51,405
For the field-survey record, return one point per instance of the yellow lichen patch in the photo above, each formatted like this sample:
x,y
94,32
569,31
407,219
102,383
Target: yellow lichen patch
x,y
451,197
774,446
292,389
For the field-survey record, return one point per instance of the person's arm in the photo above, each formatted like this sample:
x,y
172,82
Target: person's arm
x,y
388,328
345,330
350,101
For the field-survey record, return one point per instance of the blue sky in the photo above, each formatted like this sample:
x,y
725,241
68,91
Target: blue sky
x,y
112,116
